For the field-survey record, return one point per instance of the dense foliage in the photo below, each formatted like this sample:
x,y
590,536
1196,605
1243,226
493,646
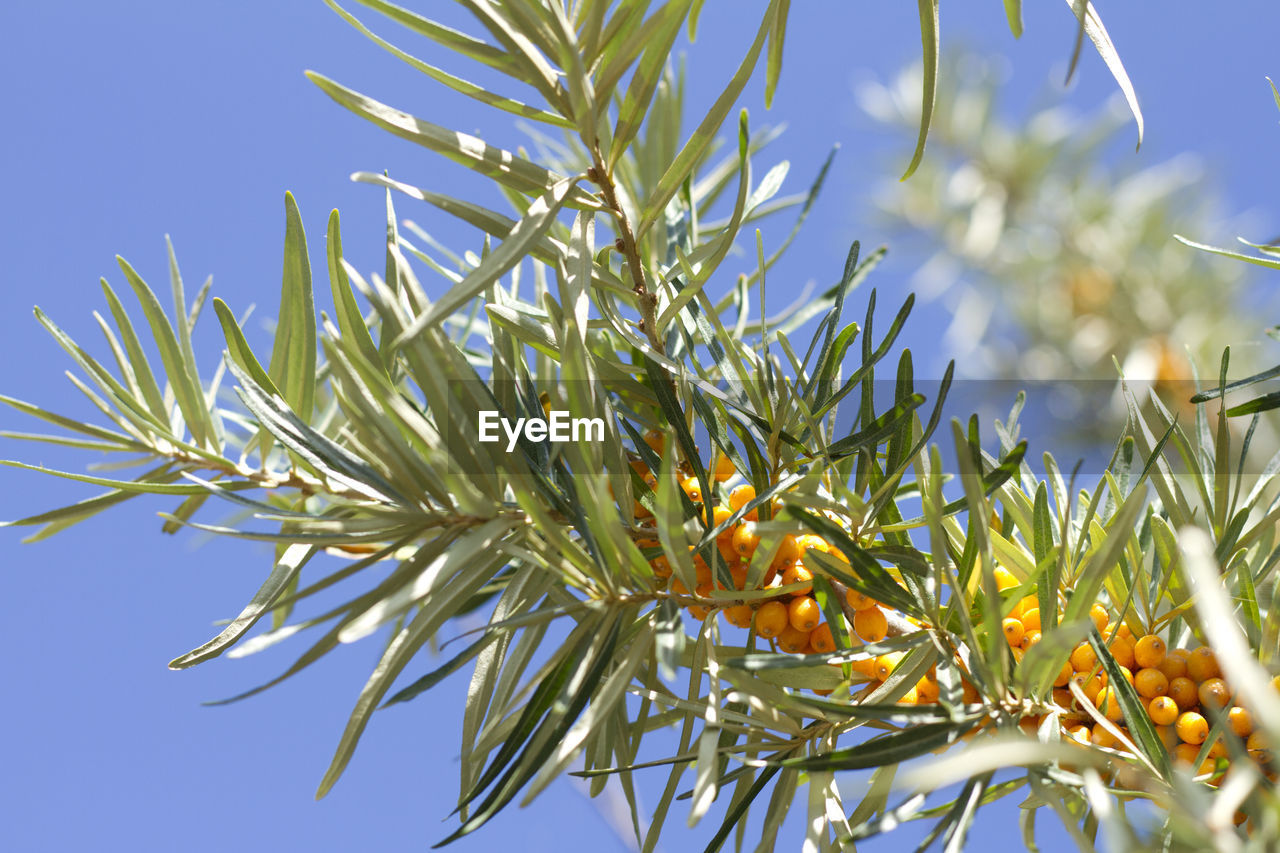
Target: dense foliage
x,y
764,554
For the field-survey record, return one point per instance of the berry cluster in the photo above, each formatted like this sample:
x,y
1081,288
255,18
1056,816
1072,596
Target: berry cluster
x,y
791,620
1182,689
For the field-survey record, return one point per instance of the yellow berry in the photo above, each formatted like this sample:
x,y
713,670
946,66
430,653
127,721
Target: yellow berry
x,y
1031,619
1099,615
739,615
724,468
804,613
871,624
692,488
771,619
1005,579
656,440
887,663
1240,721
1109,704
1174,664
1013,631
788,553
798,574
1083,658
1151,682
741,496
1149,651
1163,711
858,601
745,539
1213,693
1192,728
822,639
1183,691
793,640
1122,651
1202,665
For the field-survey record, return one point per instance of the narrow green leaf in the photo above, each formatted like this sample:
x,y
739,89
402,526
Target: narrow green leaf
x,y
182,374
929,94
474,153
283,573
1092,26
683,164
540,216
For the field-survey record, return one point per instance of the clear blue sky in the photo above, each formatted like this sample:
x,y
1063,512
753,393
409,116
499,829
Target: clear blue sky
x,y
130,120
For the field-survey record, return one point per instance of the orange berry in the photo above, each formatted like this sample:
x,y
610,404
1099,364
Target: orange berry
x,y
1029,639
805,541
741,496
968,693
858,601
724,468
739,615
1257,742
1099,615
1083,658
1192,728
804,613
1183,691
1064,675
739,574
699,611
822,639
1149,651
661,567
1013,631
692,488
927,691
866,667
871,624
1186,754
1163,711
1150,683
1080,734
771,619
1024,606
887,663
1109,705
798,574
719,516
911,697
1240,721
1092,686
1213,693
745,539
1031,619
656,440
1128,676
1122,651
1202,665
1167,736
724,544
1174,664
788,553
1005,579
793,640
1103,738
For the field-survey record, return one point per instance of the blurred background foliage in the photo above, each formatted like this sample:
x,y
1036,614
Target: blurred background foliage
x,y
1055,263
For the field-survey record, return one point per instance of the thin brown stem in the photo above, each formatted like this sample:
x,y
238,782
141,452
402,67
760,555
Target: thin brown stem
x,y
630,251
